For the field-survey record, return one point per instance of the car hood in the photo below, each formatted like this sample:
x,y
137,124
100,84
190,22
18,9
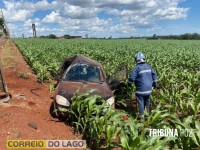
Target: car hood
x,y
68,88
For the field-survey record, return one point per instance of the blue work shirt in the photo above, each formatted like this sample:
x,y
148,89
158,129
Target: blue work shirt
x,y
144,78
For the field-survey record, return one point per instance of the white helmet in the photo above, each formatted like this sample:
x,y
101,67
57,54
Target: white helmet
x,y
139,57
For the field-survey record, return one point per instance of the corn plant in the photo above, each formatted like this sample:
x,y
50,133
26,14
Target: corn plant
x,y
175,102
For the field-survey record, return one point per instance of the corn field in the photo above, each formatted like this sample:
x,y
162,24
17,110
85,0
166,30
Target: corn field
x,y
176,102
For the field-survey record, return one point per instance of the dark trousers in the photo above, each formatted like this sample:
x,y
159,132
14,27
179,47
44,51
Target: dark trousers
x,y
143,102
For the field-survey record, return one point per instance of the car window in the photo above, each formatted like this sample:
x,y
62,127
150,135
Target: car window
x,y
83,72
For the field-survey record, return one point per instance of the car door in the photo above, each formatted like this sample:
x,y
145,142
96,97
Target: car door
x,y
118,78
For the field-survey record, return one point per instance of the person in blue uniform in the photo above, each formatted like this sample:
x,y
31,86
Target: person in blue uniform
x,y
144,77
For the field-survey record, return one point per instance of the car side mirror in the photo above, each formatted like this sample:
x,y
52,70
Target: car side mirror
x,y
58,77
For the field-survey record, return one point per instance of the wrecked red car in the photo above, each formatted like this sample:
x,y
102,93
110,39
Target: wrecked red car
x,y
79,72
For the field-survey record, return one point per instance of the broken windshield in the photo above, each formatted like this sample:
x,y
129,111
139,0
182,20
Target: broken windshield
x,y
83,72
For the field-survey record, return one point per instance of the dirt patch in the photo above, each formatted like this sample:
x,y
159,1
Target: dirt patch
x,y
30,102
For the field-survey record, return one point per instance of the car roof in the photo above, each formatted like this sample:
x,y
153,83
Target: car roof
x,y
79,59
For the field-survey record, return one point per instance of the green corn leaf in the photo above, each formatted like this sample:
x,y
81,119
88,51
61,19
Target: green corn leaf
x,y
124,143
134,142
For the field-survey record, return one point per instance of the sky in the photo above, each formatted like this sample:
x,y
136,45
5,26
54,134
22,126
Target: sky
x,y
101,18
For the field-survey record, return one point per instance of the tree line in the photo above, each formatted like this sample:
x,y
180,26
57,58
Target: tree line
x,y
53,36
186,36
3,28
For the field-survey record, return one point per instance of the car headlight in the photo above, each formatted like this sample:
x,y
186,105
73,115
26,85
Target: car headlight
x,y
62,101
111,100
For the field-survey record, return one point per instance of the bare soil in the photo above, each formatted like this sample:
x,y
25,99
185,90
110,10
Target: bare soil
x,y
29,104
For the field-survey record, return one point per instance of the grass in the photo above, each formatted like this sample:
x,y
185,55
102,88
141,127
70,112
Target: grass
x,y
8,56
23,75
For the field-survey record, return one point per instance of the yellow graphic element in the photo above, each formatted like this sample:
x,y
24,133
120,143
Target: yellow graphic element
x,y
43,144
26,144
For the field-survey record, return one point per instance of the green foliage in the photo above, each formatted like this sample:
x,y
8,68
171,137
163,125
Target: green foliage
x,y
175,103
52,36
1,22
97,121
2,27
23,75
66,36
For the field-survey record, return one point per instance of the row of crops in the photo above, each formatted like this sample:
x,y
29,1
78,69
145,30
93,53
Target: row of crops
x,y
175,103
